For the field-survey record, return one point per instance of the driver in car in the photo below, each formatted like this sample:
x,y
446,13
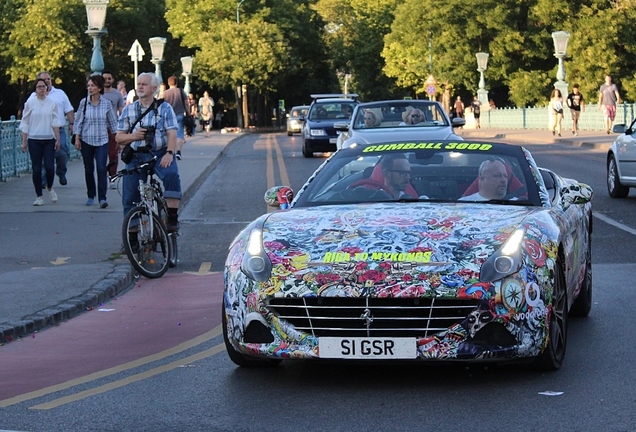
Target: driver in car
x,y
396,171
492,182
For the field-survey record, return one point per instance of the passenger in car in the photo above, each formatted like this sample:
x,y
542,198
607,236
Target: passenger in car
x,y
372,118
492,182
413,117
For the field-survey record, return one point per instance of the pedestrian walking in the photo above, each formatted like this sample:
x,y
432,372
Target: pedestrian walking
x,y
40,127
117,100
121,88
608,98
64,109
576,102
476,106
177,99
459,107
206,105
95,117
555,108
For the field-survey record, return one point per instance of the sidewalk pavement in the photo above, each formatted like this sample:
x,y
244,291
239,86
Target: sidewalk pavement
x,y
61,259
58,260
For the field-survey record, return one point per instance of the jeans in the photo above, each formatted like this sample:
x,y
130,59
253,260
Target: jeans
x,y
61,156
95,156
169,176
42,154
180,130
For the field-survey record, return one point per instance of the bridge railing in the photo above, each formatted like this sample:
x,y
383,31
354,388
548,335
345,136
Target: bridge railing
x,y
13,162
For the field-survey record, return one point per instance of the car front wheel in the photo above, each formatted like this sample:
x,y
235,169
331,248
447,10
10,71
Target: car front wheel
x,y
614,186
554,353
307,150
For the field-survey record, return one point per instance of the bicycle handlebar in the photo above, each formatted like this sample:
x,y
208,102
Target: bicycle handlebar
x,y
136,169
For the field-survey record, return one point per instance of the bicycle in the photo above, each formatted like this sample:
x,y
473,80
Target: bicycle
x,y
148,245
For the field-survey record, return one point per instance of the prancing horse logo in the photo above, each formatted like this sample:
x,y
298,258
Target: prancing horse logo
x,y
367,318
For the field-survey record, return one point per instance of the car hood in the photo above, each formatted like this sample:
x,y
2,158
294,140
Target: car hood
x,y
364,247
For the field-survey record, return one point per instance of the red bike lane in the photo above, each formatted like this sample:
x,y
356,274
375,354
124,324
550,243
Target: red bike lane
x,y
154,319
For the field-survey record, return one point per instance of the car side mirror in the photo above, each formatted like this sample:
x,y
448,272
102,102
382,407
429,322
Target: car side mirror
x,y
576,193
458,122
279,196
621,129
341,126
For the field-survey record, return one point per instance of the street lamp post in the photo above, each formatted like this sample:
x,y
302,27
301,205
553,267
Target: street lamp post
x,y
96,14
157,45
186,63
482,93
560,39
237,11
347,77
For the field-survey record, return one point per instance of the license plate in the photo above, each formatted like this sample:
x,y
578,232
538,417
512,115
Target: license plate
x,y
367,348
333,140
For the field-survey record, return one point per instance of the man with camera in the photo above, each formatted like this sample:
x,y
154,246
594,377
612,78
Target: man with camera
x,y
150,125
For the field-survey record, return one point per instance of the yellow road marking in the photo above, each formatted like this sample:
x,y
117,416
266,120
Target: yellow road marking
x,y
204,269
114,370
128,380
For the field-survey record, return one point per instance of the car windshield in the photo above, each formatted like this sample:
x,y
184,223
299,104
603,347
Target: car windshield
x,y
331,110
391,114
425,171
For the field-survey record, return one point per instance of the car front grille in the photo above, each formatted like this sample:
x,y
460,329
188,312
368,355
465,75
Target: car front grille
x,y
372,317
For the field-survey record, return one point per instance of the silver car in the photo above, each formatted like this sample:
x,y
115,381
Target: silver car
x,y
384,121
293,123
621,161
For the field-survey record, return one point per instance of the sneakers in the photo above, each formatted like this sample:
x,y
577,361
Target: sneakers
x,y
178,154
53,195
113,185
38,201
103,204
553,132
608,131
90,201
63,181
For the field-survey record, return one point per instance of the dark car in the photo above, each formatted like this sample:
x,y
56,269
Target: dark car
x,y
319,134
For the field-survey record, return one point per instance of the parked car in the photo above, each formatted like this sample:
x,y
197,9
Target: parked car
x,y
318,132
353,270
392,119
294,125
621,161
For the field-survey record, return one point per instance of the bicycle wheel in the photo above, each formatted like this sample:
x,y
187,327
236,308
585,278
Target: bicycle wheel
x,y
173,258
146,242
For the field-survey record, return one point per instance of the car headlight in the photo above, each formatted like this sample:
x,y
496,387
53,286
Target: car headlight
x,y
317,132
256,264
505,261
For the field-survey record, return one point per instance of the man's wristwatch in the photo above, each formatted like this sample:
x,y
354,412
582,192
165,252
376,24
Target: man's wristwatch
x,y
170,152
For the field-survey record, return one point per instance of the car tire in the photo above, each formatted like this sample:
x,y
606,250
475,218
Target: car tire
x,y
553,355
290,133
583,303
307,150
614,186
238,358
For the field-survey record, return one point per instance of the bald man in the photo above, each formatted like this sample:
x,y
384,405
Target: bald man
x,y
492,182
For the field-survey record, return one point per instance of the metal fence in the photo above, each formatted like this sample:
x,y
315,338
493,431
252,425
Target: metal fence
x,y
539,118
13,162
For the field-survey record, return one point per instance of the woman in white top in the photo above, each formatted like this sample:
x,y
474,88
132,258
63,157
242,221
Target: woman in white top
x,y
40,128
556,110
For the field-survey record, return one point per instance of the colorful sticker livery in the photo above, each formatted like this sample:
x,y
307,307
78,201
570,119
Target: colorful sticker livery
x,y
395,279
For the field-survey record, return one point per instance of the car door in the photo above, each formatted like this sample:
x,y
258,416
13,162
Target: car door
x,y
626,153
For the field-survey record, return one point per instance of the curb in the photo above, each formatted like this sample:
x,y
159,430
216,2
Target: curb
x,y
120,280
597,143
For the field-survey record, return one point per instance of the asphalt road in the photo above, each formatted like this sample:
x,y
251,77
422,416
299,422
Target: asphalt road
x,y
154,358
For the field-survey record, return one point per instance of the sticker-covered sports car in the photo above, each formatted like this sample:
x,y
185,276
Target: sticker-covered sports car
x,y
440,250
